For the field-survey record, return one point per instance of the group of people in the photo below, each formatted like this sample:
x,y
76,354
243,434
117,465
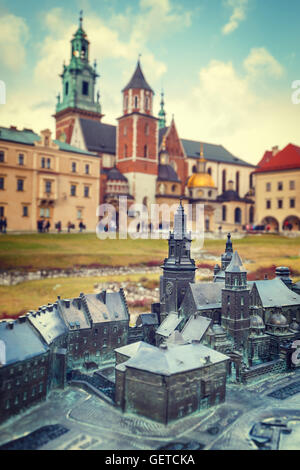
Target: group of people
x,y
3,225
43,226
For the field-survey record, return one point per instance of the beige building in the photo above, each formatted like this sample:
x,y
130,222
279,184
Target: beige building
x,y
277,189
41,178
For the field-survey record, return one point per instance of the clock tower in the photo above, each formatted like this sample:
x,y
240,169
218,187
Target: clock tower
x,y
178,269
137,139
78,88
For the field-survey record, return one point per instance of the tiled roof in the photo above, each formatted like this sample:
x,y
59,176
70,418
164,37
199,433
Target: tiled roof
x,y
167,173
28,137
212,152
115,175
138,80
286,159
99,137
266,158
49,323
207,294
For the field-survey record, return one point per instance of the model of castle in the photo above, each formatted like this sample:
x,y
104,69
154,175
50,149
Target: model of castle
x,y
177,359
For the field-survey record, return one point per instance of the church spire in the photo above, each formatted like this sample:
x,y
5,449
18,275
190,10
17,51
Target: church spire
x,y
162,113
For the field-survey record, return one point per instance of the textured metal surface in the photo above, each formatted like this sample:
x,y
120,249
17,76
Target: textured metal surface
x,y
21,342
174,359
195,328
49,324
274,292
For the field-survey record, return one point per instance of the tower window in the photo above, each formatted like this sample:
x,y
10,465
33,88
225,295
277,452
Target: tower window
x,y
147,103
85,88
67,88
145,151
224,214
223,181
209,171
136,102
125,151
237,182
147,129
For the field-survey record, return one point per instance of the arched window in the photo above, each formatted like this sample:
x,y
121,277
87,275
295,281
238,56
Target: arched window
x,y
145,151
125,151
126,102
224,213
223,181
209,171
194,169
174,187
237,216
146,103
237,182
125,130
147,129
136,102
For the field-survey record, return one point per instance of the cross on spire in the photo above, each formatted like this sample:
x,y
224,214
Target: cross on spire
x,y
80,18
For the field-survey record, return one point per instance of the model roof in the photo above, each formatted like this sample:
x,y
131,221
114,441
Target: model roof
x,y
236,265
207,294
274,292
195,328
174,360
170,323
48,322
21,341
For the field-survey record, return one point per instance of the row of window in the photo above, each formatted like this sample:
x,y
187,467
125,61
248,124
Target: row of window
x,y
45,163
84,88
18,381
136,102
18,399
28,365
48,187
280,186
145,151
104,345
292,203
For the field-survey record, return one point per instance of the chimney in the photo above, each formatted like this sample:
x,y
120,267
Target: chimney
x,y
102,296
266,277
163,347
207,360
275,150
67,303
283,272
13,128
10,325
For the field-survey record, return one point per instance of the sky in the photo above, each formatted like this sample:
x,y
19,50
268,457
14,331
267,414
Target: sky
x,y
226,66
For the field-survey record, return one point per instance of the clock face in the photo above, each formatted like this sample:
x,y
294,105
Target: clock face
x,y
169,288
76,53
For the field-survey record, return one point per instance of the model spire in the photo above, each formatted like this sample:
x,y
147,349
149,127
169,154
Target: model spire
x,y
162,113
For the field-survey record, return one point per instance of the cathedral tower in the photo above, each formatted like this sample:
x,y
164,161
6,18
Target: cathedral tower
x,y
179,268
137,139
235,303
78,88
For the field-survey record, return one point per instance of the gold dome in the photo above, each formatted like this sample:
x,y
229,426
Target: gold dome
x,y
198,180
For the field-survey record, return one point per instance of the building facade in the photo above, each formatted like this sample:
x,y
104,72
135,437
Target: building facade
x,y
277,189
45,179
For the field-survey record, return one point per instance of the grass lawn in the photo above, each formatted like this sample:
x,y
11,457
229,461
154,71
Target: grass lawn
x,y
47,251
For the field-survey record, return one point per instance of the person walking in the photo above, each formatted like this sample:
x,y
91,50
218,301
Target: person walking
x,y
4,225
1,224
47,226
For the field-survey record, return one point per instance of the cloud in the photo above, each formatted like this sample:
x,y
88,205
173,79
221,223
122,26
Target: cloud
x,y
226,108
238,14
261,62
14,34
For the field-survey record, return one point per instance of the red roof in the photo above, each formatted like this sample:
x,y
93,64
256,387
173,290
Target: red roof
x,y
286,159
267,157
